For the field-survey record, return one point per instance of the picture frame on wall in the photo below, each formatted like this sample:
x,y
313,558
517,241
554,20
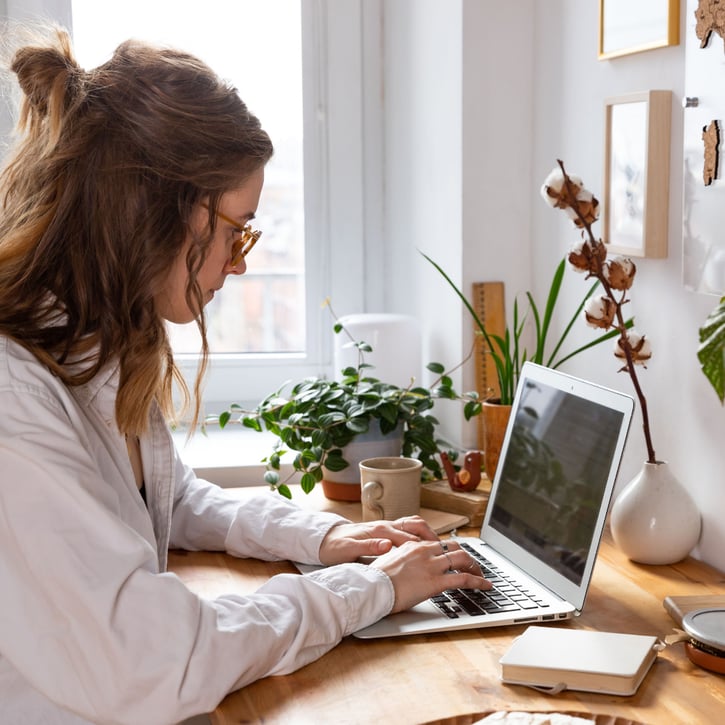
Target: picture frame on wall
x,y
637,173
630,27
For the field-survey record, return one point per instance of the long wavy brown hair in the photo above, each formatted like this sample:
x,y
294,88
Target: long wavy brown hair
x,y
95,203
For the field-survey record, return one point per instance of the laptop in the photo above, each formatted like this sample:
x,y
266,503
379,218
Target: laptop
x,y
546,511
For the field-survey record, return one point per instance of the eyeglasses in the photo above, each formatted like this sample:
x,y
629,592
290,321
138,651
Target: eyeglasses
x,y
243,246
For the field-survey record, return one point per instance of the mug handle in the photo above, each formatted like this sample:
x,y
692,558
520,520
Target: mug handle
x,y
372,492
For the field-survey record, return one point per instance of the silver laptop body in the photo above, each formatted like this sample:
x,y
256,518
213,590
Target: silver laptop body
x,y
546,511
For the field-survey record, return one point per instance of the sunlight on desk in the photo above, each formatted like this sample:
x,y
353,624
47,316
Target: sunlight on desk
x,y
446,677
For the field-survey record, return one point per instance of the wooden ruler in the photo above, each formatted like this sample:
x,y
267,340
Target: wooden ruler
x,y
488,303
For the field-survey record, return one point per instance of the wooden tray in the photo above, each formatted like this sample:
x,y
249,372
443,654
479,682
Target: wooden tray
x,y
440,496
678,607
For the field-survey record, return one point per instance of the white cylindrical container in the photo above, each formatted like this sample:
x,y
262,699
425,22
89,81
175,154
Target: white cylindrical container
x,y
396,343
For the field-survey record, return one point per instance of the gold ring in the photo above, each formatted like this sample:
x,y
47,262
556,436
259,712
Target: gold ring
x,y
444,546
451,570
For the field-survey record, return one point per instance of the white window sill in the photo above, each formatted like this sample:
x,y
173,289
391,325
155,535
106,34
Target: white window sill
x,y
230,457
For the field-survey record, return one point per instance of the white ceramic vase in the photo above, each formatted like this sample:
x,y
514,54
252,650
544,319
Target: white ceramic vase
x,y
654,519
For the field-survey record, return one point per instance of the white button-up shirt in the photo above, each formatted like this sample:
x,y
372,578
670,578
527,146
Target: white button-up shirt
x,y
92,627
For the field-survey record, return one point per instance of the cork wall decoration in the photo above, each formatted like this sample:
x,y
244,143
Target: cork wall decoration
x,y
711,152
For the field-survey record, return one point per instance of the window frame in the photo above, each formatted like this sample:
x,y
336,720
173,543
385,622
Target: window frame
x,y
342,110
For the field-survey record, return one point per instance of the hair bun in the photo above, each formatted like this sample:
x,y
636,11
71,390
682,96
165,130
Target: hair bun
x,y
49,76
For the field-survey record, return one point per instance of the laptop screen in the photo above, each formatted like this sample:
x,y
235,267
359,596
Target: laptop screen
x,y
554,475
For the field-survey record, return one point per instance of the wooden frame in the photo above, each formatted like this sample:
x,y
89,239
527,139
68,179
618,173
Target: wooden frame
x,y
637,173
627,26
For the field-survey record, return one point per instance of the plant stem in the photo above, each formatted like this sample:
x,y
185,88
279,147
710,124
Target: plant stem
x,y
597,271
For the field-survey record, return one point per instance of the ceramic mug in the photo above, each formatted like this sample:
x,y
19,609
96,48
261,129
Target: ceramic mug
x,y
390,487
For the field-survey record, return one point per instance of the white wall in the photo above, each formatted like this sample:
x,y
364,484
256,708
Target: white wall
x,y
457,146
530,89
497,149
422,174
39,10
688,422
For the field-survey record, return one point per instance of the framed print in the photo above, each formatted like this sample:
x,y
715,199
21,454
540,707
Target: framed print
x,y
637,173
629,27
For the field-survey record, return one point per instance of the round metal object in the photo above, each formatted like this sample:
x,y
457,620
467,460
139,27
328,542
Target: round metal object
x,y
706,629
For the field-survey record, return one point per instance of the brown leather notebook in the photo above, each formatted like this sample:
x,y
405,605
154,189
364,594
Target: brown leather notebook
x,y
678,607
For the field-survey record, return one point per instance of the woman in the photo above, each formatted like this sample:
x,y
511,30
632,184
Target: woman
x,y
125,203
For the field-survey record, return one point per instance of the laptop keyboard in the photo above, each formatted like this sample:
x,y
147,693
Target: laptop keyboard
x,y
507,595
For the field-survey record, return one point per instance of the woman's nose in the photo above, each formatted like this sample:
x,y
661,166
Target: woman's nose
x,y
240,268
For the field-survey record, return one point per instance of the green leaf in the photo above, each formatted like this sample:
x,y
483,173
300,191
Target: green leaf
x,y
224,418
436,367
329,419
711,352
320,438
602,338
334,461
283,490
471,409
307,456
500,370
249,422
445,392
543,330
307,482
575,316
388,413
358,425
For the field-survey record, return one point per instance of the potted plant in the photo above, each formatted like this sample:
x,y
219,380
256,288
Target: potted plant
x,y
509,354
711,352
318,419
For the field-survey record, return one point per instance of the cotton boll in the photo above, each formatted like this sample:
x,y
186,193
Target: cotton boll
x,y
639,345
619,272
599,312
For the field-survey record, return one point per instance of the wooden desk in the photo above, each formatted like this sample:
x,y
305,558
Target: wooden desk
x,y
447,677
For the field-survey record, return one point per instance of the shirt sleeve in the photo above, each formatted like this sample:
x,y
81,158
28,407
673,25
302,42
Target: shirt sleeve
x,y
89,622
207,517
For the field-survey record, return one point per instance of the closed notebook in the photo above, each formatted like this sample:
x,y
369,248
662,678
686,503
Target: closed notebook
x,y
557,659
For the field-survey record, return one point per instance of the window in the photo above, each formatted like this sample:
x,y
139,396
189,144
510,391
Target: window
x,y
256,45
342,163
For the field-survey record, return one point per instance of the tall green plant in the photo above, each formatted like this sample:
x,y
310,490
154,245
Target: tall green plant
x,y
508,352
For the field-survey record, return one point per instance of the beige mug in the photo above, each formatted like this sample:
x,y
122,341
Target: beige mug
x,y
390,487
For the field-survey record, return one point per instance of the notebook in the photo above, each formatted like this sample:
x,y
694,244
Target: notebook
x,y
554,659
546,512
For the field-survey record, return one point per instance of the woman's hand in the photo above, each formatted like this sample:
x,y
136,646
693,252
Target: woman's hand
x,y
422,569
349,542
420,566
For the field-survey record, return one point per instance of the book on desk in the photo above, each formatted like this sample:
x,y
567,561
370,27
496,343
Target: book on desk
x,y
554,659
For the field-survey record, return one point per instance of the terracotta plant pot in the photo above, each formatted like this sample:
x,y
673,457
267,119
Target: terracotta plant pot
x,y
495,419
